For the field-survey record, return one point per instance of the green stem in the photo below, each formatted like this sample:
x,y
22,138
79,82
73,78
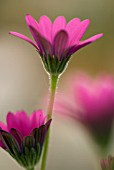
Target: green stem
x,y
30,169
53,86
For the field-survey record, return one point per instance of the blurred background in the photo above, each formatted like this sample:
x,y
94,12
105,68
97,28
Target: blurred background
x,y
23,81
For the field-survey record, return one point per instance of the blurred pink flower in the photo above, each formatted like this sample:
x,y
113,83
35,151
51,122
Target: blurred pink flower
x,y
23,136
90,102
56,42
108,163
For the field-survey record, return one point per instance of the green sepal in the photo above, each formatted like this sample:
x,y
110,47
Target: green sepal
x,y
29,152
10,143
54,65
39,135
38,151
28,142
16,134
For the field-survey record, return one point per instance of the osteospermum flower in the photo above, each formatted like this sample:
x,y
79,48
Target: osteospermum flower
x,y
56,42
23,137
91,102
108,163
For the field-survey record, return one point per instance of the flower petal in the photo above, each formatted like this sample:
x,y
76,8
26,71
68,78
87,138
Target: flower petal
x,y
32,22
82,44
90,40
46,27
24,122
3,126
43,44
12,122
37,119
71,27
60,42
79,32
19,121
59,24
24,38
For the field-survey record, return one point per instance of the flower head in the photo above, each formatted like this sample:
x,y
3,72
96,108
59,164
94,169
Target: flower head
x,y
107,164
91,102
56,42
23,136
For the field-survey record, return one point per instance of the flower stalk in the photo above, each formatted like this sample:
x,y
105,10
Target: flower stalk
x,y
31,169
53,87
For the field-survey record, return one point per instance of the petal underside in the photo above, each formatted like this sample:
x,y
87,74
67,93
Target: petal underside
x,y
60,43
82,44
43,44
23,37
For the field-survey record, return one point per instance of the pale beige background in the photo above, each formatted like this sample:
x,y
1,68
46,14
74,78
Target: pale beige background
x,y
23,81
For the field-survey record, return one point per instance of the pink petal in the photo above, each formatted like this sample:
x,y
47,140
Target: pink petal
x,y
90,40
82,44
46,27
19,121
71,27
59,23
37,119
32,22
87,100
79,32
12,122
70,50
60,42
105,90
24,38
43,44
24,122
3,126
95,98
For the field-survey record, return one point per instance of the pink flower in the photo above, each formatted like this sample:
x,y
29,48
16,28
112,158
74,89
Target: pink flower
x,y
23,136
108,163
56,42
90,102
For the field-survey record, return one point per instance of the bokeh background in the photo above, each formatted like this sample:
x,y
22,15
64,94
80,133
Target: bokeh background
x,y
24,83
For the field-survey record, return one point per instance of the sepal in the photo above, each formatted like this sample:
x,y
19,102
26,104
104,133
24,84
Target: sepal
x,y
54,65
9,142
